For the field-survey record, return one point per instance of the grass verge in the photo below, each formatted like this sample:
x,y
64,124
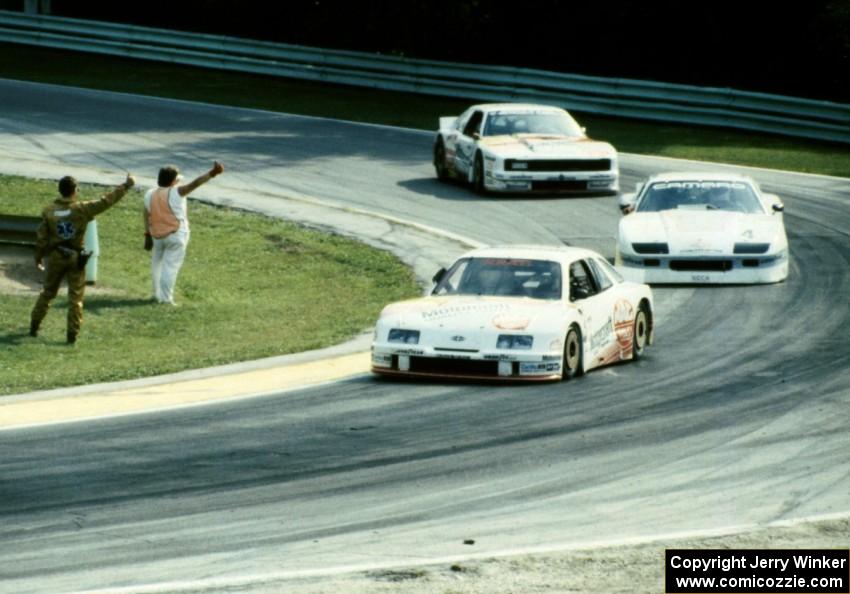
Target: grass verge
x,y
251,287
401,109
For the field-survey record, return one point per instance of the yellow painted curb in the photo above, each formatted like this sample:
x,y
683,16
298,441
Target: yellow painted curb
x,y
133,400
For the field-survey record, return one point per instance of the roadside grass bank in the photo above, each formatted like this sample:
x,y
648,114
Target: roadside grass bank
x,y
251,287
402,109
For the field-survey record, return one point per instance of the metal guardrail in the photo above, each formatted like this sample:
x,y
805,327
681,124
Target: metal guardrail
x,y
18,230
792,116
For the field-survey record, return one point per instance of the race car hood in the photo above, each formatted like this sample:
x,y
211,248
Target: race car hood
x,y
527,146
469,316
699,232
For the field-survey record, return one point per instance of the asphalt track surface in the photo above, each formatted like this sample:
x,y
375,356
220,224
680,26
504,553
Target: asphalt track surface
x,y
737,417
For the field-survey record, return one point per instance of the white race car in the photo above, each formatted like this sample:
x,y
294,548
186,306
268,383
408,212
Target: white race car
x,y
517,313
702,228
507,147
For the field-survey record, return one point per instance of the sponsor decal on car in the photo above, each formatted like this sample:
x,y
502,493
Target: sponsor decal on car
x,y
545,368
454,311
624,325
603,335
510,322
699,185
408,351
500,357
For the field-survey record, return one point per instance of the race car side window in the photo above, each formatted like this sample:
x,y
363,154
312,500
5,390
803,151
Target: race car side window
x,y
599,275
456,272
460,123
474,124
582,284
610,270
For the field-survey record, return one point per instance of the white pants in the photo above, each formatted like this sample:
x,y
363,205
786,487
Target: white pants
x,y
166,260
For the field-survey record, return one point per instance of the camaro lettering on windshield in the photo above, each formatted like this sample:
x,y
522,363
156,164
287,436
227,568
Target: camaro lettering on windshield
x,y
699,185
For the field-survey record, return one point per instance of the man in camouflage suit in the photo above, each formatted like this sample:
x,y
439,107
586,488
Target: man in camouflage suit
x,y
60,240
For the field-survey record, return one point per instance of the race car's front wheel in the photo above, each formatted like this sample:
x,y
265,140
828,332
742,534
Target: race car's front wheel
x,y
478,175
573,362
440,161
640,337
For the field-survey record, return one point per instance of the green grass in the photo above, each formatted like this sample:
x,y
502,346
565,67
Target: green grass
x,y
401,109
251,287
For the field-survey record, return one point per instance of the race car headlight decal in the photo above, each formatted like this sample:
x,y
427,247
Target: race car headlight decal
x,y
512,165
514,341
751,248
404,336
651,248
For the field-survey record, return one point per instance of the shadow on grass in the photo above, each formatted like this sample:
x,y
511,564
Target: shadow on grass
x,y
98,304
15,338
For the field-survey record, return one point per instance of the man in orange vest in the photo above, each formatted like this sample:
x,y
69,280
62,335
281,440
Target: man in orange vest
x,y
60,239
167,223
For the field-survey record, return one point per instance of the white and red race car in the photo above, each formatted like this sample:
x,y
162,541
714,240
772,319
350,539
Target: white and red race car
x,y
512,147
517,313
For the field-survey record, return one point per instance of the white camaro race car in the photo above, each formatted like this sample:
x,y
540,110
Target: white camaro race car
x,y
517,312
505,147
702,228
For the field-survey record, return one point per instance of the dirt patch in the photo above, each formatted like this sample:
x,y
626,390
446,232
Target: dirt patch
x,y
634,569
19,276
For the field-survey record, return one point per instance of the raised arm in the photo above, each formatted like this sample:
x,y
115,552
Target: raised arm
x,y
92,208
217,168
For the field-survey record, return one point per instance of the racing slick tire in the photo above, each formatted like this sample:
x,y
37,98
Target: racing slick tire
x,y
572,364
440,166
478,175
640,335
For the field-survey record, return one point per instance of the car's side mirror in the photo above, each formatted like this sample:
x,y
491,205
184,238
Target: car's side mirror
x,y
476,136
584,130
441,273
626,202
774,202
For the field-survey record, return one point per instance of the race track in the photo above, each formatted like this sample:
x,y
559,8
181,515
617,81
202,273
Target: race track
x,y
738,415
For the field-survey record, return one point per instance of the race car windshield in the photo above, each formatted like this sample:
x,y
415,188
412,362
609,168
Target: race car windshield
x,y
506,277
541,123
700,195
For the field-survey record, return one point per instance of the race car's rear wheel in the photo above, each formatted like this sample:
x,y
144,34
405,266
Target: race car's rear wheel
x,y
640,337
440,161
573,362
478,175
